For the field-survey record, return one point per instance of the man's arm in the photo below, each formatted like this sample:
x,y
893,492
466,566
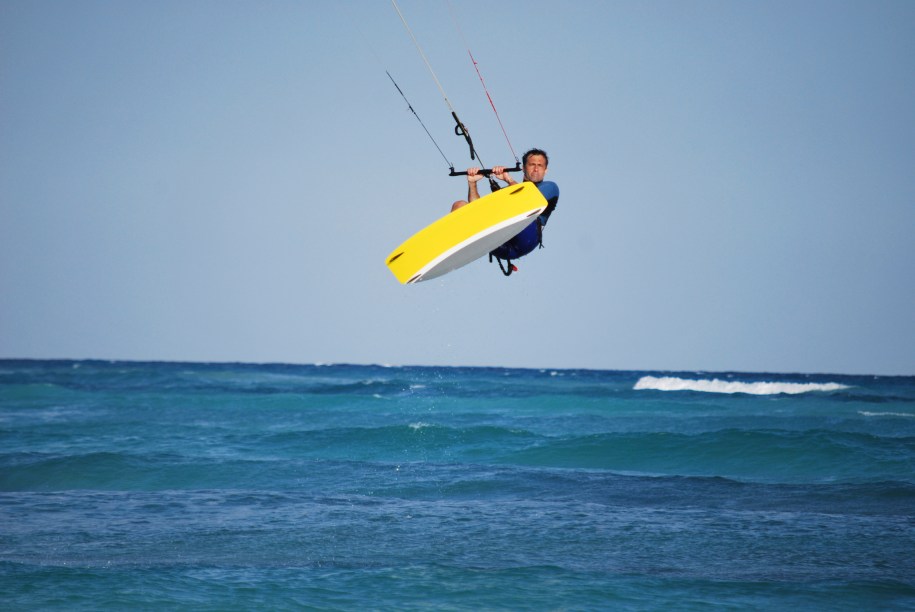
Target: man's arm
x,y
500,173
473,177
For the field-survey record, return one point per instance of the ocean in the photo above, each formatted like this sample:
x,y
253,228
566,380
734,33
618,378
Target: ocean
x,y
130,485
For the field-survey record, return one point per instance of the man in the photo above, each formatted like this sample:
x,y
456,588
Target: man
x,y
535,164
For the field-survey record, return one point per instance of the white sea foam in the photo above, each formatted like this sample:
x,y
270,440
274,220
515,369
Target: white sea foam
x,y
669,383
886,414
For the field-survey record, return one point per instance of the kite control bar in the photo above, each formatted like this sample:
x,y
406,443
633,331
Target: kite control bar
x,y
486,171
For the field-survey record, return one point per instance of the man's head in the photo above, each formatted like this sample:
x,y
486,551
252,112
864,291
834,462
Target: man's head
x,y
535,164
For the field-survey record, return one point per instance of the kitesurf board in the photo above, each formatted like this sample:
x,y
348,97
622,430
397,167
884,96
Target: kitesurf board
x,y
467,234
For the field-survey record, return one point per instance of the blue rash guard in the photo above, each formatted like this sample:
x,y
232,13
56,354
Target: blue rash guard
x,y
530,237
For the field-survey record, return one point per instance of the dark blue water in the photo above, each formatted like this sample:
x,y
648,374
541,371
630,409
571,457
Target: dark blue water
x,y
231,486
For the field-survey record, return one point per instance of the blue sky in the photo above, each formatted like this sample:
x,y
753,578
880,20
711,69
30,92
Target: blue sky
x,y
222,181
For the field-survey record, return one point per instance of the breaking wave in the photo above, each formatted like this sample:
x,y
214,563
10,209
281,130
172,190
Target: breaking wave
x,y
669,383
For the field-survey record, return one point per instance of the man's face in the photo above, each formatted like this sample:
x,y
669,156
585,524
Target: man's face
x,y
535,168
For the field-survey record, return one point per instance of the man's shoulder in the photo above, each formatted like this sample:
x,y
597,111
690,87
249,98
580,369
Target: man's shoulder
x,y
549,189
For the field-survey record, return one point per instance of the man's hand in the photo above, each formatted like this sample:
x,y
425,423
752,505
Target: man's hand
x,y
473,177
500,173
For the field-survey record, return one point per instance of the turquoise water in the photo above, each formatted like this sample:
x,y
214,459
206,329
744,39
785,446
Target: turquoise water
x,y
233,486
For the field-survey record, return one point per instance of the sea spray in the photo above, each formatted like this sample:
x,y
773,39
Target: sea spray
x,y
670,383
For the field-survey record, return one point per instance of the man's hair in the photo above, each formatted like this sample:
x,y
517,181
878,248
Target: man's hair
x,y
536,152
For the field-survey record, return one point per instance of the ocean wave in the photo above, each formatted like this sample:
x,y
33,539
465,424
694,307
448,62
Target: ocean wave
x,y
771,455
669,383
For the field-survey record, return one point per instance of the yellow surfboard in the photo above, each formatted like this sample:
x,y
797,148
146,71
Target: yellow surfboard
x,y
467,233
